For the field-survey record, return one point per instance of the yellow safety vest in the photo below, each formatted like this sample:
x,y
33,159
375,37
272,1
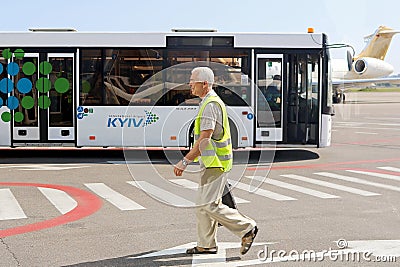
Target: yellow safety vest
x,y
218,153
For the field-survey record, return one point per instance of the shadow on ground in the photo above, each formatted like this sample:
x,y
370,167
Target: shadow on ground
x,y
53,156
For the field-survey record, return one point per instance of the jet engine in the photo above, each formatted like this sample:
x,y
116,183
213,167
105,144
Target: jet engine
x,y
369,67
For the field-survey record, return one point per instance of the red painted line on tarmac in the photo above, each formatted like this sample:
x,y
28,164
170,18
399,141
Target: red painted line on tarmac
x,y
88,204
322,165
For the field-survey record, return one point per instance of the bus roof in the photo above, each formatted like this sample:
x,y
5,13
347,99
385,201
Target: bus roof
x,y
71,38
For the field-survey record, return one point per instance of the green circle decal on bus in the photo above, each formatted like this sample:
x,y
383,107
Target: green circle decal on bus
x,y
44,102
61,85
18,116
6,116
43,85
27,102
86,87
45,68
7,54
19,53
28,68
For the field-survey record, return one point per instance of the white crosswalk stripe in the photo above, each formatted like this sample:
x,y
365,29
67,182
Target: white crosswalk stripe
x,y
203,260
376,174
263,192
392,169
9,206
293,187
358,180
331,185
162,194
61,200
192,185
118,200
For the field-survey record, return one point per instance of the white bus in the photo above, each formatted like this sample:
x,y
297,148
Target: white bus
x,y
81,89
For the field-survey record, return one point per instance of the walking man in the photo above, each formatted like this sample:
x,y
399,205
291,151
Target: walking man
x,y
213,149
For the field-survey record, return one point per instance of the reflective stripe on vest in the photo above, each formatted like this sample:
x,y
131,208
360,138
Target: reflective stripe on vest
x,y
217,153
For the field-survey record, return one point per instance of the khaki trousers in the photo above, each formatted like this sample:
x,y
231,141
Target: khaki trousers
x,y
210,210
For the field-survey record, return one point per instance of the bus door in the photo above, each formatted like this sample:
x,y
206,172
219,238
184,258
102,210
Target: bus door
x,y
303,99
44,99
269,98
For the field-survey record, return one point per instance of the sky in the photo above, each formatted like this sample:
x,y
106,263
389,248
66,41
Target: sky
x,y
344,21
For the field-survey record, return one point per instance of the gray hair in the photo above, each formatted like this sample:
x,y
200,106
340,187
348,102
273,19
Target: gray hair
x,y
204,74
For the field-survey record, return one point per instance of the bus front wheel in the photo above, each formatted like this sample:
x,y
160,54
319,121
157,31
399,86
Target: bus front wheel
x,y
234,135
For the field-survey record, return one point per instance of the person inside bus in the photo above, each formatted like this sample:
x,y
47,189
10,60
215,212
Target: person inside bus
x,y
213,149
273,93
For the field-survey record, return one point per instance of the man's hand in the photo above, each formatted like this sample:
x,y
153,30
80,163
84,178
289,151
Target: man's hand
x,y
201,143
179,168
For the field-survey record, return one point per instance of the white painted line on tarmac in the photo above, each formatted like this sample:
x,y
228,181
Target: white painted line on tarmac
x,y
115,198
296,188
181,249
192,185
62,201
357,180
186,183
10,208
331,185
376,174
210,260
365,133
218,259
262,192
162,194
392,169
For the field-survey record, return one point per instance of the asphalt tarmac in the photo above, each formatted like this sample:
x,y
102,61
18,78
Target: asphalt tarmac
x,y
334,206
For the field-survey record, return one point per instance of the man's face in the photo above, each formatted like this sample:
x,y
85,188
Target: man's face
x,y
196,86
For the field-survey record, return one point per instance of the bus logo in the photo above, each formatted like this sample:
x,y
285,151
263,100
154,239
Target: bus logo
x,y
129,121
150,118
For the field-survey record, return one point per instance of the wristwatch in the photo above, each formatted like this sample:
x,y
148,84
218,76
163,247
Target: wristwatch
x,y
184,162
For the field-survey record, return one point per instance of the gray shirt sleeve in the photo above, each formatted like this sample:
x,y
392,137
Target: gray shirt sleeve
x,y
212,120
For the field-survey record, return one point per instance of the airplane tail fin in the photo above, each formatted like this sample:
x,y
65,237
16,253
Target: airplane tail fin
x,y
378,43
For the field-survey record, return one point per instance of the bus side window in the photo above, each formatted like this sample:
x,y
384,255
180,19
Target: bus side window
x,y
178,99
230,97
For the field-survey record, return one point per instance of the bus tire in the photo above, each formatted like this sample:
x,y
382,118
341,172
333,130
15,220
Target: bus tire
x,y
234,135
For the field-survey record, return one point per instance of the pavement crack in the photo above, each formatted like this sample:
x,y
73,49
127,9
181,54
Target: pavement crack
x,y
9,250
